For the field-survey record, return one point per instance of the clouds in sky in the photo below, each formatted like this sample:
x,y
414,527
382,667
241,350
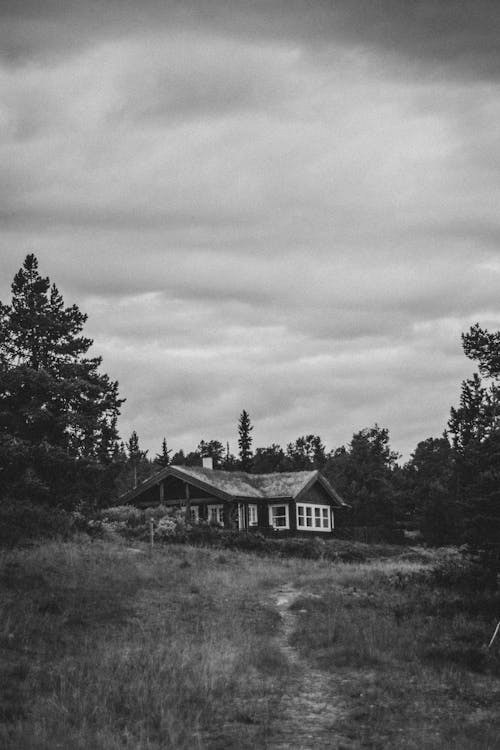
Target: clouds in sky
x,y
286,207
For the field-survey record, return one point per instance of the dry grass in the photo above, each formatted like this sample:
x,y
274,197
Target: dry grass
x,y
409,655
108,648
104,647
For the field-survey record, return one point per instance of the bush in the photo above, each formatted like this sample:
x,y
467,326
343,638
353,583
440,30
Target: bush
x,y
170,526
23,521
120,520
461,571
122,513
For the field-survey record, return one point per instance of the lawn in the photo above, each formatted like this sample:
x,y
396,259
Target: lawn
x,y
105,646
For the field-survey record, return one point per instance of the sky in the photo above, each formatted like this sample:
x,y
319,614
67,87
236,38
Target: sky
x,y
288,207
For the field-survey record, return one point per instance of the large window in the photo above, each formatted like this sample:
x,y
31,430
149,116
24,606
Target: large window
x,y
215,514
314,517
278,516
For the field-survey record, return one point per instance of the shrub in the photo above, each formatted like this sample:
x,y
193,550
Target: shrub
x,y
122,513
171,526
23,521
157,512
461,571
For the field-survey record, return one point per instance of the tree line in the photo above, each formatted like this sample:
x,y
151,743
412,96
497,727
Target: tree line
x,y
60,447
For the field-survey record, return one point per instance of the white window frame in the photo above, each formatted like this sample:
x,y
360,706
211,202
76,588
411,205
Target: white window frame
x,y
194,513
272,516
218,512
312,517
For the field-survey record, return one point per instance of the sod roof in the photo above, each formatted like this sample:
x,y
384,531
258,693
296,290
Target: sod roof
x,y
239,484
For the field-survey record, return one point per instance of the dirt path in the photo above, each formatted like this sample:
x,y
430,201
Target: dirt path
x,y
311,707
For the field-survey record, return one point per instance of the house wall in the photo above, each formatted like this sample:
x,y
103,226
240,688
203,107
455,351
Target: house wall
x,y
262,516
315,494
151,496
175,489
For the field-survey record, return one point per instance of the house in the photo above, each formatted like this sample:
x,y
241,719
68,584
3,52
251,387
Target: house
x,y
288,503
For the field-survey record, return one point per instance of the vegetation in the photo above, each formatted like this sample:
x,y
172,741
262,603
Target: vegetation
x,y
408,648
245,441
162,459
169,526
58,413
107,646
363,472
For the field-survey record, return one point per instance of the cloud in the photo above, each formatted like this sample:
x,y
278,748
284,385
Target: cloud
x,y
458,38
289,208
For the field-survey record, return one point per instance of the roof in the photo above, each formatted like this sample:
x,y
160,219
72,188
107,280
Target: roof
x,y
231,485
241,484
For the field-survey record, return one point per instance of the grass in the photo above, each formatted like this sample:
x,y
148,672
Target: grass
x,y
108,647
409,654
105,647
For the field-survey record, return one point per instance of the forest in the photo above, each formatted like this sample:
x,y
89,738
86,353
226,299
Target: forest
x,y
61,452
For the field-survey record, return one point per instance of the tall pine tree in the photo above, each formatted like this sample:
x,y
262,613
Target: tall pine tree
x,y
163,459
138,463
245,441
475,430
58,413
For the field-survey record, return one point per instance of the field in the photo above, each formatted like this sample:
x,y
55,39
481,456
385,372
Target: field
x,y
105,646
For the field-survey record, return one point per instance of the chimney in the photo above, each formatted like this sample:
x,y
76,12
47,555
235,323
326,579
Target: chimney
x,y
208,462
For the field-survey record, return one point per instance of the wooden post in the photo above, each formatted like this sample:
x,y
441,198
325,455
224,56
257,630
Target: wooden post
x,y
151,533
162,492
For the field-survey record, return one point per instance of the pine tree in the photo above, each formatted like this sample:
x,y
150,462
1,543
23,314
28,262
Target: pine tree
x,y
307,452
229,461
137,459
427,498
245,441
363,474
178,459
58,413
475,430
163,459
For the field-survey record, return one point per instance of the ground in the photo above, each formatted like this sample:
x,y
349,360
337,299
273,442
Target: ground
x,y
109,646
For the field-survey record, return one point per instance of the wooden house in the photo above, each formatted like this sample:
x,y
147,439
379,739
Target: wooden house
x,y
299,502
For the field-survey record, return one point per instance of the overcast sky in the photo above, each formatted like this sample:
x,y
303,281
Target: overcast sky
x,y
290,207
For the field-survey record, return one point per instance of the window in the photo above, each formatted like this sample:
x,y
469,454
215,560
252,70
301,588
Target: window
x,y
215,514
194,513
313,517
278,516
252,515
